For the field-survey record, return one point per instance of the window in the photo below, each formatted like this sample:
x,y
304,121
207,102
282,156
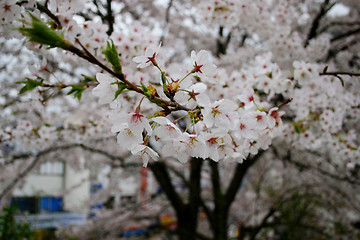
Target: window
x,y
34,205
52,168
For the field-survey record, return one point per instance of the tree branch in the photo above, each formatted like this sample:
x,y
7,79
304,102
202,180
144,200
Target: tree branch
x,y
161,174
345,34
304,166
340,73
167,17
45,9
240,171
85,54
324,8
335,24
8,188
333,52
222,45
109,17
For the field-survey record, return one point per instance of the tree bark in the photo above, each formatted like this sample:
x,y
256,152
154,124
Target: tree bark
x,y
186,213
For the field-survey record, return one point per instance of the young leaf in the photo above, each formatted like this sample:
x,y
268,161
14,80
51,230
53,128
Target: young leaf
x,y
30,84
145,90
87,79
112,56
163,78
341,80
41,33
77,91
121,87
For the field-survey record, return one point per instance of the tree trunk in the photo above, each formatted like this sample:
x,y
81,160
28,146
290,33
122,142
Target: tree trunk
x,y
186,213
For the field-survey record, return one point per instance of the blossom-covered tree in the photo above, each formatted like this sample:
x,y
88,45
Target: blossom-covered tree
x,y
253,105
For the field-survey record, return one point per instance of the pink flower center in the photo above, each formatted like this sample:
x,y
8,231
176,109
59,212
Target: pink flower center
x,y
136,117
197,68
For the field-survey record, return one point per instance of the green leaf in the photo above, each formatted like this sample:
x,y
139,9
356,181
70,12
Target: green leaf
x,y
77,91
87,79
163,78
341,79
30,84
112,56
41,33
121,87
325,69
145,89
299,127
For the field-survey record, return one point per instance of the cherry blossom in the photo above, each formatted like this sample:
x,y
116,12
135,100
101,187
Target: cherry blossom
x,y
221,113
149,57
105,91
145,153
202,66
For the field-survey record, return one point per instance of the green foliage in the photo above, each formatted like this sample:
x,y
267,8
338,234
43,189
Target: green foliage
x,y
150,94
10,229
299,127
121,87
77,90
87,79
163,78
41,33
112,56
30,84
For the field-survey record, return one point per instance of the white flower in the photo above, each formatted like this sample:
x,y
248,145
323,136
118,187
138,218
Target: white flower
x,y
261,120
166,129
247,97
194,96
126,138
191,144
137,123
202,66
221,113
185,146
148,58
218,145
304,72
275,117
105,91
9,11
145,153
246,126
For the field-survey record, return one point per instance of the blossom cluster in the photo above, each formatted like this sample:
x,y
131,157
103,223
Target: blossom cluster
x,y
229,129
191,108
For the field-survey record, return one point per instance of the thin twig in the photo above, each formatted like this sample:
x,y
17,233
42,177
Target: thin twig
x,y
316,22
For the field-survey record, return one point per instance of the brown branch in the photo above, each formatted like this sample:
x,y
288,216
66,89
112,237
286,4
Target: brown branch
x,y
195,190
167,17
237,179
85,54
222,45
189,186
129,10
8,188
109,17
340,73
162,176
54,149
255,230
345,35
333,52
335,24
324,8
303,166
45,9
